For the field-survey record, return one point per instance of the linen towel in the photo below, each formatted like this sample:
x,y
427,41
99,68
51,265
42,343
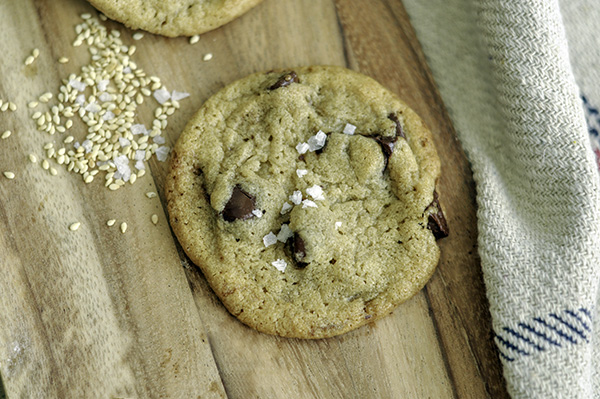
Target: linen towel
x,y
511,88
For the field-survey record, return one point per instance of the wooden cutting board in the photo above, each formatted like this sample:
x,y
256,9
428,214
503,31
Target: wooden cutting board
x,y
98,313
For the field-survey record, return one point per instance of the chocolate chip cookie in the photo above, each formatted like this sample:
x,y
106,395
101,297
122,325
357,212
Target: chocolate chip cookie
x,y
307,198
174,17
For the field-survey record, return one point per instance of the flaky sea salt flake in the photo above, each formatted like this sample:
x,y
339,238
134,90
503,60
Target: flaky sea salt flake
x,y
301,172
257,212
302,148
77,85
103,85
269,239
284,233
285,208
105,97
280,265
93,108
161,95
138,129
308,204
179,95
349,129
296,197
162,153
316,192
108,116
317,141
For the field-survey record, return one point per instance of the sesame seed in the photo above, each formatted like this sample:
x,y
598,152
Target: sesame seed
x,y
207,57
194,39
29,60
53,172
154,218
110,222
6,134
105,94
32,158
123,227
9,175
12,106
74,226
4,107
150,194
35,52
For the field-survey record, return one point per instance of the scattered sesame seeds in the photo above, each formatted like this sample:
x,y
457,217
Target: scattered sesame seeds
x,y
105,94
151,194
280,265
349,129
138,36
6,134
110,222
12,106
44,98
123,227
53,171
207,57
63,60
29,60
32,158
301,172
154,218
269,239
45,164
74,226
9,175
194,39
35,53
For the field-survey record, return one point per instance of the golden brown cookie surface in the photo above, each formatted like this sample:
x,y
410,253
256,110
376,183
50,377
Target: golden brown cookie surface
x,y
174,17
307,199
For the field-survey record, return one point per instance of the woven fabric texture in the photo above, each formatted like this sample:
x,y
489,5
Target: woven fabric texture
x,y
511,87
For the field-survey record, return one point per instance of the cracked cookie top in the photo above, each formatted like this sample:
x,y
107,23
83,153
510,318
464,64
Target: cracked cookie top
x,y
174,17
307,197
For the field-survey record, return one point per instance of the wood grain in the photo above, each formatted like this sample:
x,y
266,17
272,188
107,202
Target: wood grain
x,y
97,313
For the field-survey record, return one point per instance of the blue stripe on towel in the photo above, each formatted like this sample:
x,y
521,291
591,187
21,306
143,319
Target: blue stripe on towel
x,y
542,333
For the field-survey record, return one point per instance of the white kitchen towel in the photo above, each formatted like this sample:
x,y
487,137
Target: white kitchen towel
x,y
511,87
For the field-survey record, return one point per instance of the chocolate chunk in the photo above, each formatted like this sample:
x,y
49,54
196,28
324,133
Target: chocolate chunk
x,y
299,250
399,132
285,80
239,206
387,145
437,221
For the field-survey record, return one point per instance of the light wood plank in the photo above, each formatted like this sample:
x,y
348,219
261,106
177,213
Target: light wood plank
x,y
95,313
